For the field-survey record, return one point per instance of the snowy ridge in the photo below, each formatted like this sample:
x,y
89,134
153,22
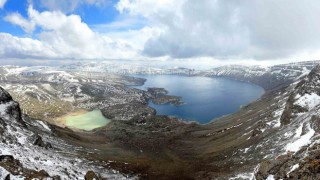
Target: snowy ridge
x,y
129,68
267,77
292,70
50,90
299,133
288,138
15,141
308,101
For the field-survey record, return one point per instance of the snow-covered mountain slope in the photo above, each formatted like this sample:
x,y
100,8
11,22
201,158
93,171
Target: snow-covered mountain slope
x,y
29,149
266,77
299,134
127,69
46,93
271,135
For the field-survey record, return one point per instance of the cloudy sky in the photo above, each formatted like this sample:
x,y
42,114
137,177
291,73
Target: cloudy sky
x,y
216,31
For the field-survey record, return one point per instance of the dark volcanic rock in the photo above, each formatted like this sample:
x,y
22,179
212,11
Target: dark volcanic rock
x,y
287,113
315,123
175,100
10,109
305,164
5,97
37,140
2,126
157,91
15,168
128,111
159,96
278,166
290,110
90,175
311,84
6,158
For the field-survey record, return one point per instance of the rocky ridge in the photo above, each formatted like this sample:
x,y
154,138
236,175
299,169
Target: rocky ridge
x,y
301,160
29,149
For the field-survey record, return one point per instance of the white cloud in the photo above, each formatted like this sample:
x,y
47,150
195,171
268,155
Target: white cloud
x,y
2,3
136,38
149,8
14,47
229,29
171,29
70,5
120,24
63,36
17,19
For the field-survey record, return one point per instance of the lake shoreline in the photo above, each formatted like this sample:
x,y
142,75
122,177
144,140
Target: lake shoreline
x,y
205,98
61,121
83,120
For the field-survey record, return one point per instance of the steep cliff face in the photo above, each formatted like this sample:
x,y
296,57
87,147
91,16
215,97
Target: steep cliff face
x,y
311,84
11,136
301,122
304,97
30,150
9,109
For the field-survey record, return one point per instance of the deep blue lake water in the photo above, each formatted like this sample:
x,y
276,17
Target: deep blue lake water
x,y
206,98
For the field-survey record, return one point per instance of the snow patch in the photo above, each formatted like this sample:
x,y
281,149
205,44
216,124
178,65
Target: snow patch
x,y
302,141
242,176
308,101
44,125
270,177
4,174
277,114
294,167
299,131
304,72
3,108
5,151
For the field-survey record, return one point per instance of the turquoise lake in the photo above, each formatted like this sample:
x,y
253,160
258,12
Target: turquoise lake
x,y
206,98
87,121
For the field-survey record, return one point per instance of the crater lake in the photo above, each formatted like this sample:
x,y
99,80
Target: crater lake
x,y
205,98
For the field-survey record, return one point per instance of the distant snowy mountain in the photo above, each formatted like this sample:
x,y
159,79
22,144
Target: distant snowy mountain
x,y
267,77
125,69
